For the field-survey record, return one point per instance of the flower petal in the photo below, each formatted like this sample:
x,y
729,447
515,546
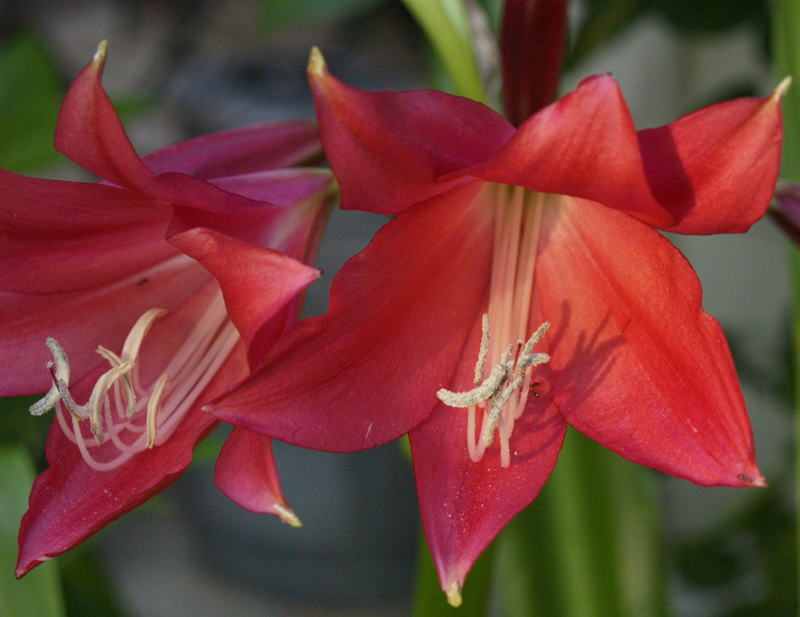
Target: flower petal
x,y
66,236
257,282
709,172
80,321
465,504
71,501
245,471
240,151
368,370
90,133
387,148
637,365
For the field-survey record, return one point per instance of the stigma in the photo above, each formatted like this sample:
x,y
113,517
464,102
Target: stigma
x,y
502,395
124,417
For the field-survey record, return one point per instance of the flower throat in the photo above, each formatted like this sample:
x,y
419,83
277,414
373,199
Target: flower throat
x,y
505,343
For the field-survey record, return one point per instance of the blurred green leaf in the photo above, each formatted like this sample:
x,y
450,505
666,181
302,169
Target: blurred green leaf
x,y
711,15
38,594
589,546
30,97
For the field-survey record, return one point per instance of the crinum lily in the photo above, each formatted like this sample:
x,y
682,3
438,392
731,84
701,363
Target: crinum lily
x,y
556,222
154,291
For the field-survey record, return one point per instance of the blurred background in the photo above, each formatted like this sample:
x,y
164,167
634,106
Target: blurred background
x,y
181,68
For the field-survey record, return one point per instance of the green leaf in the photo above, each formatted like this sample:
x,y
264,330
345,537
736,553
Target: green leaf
x,y
589,545
446,25
38,594
277,13
30,97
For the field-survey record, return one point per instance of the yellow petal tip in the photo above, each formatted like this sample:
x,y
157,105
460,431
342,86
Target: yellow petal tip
x,y
454,595
316,63
782,88
288,516
100,54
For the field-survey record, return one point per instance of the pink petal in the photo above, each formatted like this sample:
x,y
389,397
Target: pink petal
x,y
367,371
90,133
67,236
387,148
240,151
532,46
256,282
706,173
82,320
70,501
245,471
637,365
465,504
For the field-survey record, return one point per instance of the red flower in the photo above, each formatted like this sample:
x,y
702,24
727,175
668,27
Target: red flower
x,y
552,223
82,262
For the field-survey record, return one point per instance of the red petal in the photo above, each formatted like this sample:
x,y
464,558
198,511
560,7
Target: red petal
x,y
70,501
706,173
532,45
729,158
246,472
368,370
66,236
240,151
637,365
256,282
387,148
90,133
80,321
465,504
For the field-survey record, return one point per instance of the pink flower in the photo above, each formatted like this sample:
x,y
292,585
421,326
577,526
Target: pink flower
x,y
549,234
206,241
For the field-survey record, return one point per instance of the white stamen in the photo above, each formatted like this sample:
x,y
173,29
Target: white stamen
x,y
138,418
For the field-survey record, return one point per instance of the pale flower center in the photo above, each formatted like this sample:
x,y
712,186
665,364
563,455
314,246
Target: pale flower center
x,y
135,417
508,348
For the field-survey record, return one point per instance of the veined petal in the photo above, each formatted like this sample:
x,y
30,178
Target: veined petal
x,y
245,471
368,370
709,172
387,148
80,321
71,501
256,282
66,236
240,151
636,363
465,504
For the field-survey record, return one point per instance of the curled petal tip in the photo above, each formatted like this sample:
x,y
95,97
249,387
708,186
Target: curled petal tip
x,y
287,515
782,88
316,63
454,595
754,480
100,54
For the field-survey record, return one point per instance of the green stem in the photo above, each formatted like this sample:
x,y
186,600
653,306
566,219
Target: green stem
x,y
446,25
786,49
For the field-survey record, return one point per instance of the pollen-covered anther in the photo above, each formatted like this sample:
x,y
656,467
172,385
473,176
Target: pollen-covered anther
x,y
494,393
